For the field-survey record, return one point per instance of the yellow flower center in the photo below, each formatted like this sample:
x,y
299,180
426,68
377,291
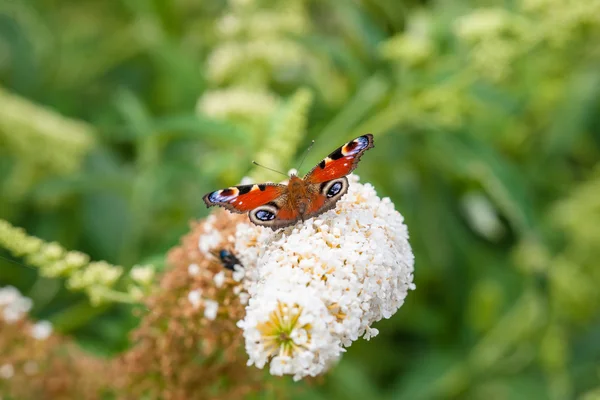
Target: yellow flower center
x,y
278,329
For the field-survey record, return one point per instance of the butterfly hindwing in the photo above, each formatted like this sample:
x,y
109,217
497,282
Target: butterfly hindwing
x,y
275,214
241,199
341,162
328,195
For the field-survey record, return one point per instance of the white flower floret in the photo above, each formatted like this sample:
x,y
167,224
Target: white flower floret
x,y
211,308
194,297
41,330
7,371
219,279
209,241
8,295
238,273
193,269
371,333
244,297
318,286
13,306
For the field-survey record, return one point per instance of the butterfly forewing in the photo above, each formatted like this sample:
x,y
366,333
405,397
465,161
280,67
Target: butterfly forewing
x,y
241,199
342,161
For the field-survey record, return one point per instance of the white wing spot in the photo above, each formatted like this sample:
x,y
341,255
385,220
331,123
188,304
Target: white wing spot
x,y
240,203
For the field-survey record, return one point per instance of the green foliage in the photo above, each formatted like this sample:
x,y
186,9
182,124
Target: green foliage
x,y
485,116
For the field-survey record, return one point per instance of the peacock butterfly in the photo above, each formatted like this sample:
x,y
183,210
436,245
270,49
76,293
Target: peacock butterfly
x,y
278,205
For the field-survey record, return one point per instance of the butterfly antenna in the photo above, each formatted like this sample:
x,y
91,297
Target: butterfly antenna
x,y
270,169
305,154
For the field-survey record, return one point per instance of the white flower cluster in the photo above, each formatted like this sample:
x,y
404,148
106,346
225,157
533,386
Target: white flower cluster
x,y
41,330
14,307
319,285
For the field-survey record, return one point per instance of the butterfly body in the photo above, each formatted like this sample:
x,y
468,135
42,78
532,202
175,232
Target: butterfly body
x,y
277,205
300,195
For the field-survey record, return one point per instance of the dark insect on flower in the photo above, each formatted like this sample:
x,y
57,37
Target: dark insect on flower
x,y
229,260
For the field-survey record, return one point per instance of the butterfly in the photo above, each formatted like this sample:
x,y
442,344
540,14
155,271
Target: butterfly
x,y
277,205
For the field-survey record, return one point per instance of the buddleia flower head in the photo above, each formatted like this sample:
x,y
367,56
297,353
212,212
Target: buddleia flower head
x,y
316,287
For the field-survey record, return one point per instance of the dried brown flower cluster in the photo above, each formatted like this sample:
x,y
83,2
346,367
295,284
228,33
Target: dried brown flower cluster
x,y
188,346
47,366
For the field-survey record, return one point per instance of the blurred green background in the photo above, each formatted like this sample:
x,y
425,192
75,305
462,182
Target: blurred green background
x,y
117,116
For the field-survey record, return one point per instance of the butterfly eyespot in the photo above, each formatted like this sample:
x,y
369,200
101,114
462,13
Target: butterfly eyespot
x,y
214,197
223,195
334,189
264,215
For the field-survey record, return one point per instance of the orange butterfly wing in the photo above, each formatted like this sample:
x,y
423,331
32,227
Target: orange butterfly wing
x,y
317,205
342,161
241,199
288,214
